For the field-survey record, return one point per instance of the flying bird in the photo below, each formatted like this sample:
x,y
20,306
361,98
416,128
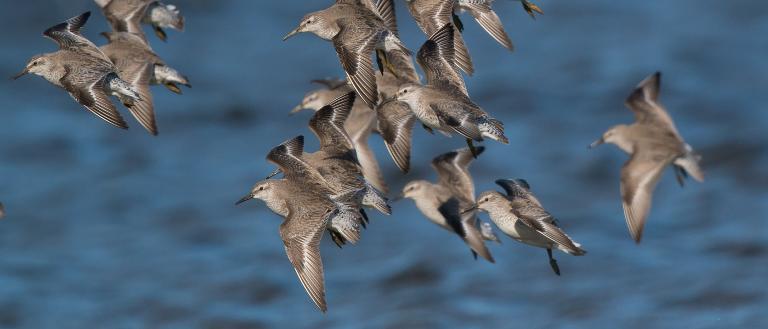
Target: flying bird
x,y
653,143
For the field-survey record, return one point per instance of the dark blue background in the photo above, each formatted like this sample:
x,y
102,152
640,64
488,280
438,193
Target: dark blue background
x,y
118,229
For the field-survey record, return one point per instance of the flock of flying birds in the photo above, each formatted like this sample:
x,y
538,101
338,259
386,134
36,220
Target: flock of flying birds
x,y
125,67
331,188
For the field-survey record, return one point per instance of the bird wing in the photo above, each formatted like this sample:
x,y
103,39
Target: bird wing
x,y
396,126
465,225
354,47
643,101
288,158
89,90
518,188
453,172
431,15
386,11
139,74
459,116
542,222
328,123
301,233
487,18
67,34
438,61
639,176
366,157
330,84
126,15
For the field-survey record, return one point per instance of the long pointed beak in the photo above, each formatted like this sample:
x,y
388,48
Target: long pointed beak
x,y
470,209
596,143
273,174
292,33
20,74
297,109
245,198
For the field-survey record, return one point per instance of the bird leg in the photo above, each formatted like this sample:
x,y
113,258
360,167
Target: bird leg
x,y
531,8
160,33
428,129
681,175
379,55
474,254
337,238
365,217
472,148
457,22
553,262
173,87
383,61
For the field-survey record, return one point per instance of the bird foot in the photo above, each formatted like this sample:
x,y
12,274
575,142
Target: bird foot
x,y
458,23
173,87
472,148
553,264
160,33
531,8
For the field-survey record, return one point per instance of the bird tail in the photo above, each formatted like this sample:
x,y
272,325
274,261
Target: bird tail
x,y
493,129
165,74
345,225
375,199
689,162
122,89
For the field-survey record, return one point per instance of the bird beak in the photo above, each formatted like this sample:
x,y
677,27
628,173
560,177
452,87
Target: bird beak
x,y
292,33
297,109
245,198
26,70
273,174
470,209
596,143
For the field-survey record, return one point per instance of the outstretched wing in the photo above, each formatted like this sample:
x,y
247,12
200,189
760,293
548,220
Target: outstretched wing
x,y
396,126
437,58
91,93
465,225
453,172
301,233
487,18
543,223
287,157
518,188
354,47
643,101
67,34
328,123
431,15
126,15
639,176
138,75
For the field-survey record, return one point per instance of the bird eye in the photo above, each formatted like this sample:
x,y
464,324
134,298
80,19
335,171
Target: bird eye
x,y
261,188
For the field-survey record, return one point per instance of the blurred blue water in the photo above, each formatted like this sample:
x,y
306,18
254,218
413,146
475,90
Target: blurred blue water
x,y
117,229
